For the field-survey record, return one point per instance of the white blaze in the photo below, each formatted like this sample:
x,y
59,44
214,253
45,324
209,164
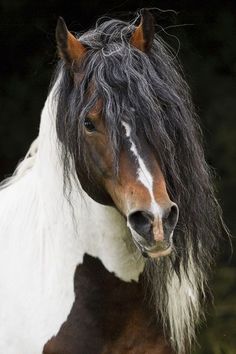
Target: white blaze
x,y
144,175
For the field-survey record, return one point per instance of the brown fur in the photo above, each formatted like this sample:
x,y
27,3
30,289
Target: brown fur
x,y
109,316
127,192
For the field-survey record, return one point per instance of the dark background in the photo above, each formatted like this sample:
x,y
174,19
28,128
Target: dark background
x,y
203,35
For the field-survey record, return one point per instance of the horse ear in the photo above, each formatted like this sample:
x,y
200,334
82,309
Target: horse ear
x,y
70,49
143,35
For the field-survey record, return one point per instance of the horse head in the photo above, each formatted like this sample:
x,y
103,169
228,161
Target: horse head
x,y
116,163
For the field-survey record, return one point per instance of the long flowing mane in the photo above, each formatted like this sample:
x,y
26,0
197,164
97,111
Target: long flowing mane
x,y
148,91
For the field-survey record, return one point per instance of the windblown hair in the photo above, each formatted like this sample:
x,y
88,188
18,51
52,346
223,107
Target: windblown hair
x,y
149,93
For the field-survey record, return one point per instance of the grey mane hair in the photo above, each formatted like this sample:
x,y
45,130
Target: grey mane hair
x,y
149,93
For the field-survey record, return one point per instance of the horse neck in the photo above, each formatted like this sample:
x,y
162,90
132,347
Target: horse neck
x,y
85,225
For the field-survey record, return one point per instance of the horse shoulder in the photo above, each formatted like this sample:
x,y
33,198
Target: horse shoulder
x,y
108,316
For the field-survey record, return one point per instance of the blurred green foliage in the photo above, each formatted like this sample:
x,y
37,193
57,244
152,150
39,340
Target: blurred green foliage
x,y
203,35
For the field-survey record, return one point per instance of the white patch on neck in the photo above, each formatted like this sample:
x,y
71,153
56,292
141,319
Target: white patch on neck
x,y
42,243
144,175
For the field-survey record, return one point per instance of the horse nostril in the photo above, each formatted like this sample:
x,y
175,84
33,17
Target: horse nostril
x,y
170,218
141,222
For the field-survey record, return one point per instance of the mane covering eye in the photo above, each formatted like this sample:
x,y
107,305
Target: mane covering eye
x,y
90,127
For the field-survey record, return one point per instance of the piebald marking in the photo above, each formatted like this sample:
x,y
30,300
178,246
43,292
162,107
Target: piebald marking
x,y
41,244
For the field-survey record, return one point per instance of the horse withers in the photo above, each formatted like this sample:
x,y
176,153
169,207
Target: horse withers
x,y
110,225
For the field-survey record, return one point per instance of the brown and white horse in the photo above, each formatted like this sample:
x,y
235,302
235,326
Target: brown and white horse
x,y
115,181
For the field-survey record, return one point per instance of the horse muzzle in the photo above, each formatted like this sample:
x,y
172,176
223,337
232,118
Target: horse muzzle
x,y
153,234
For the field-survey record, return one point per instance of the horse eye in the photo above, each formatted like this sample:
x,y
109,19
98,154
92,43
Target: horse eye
x,y
89,125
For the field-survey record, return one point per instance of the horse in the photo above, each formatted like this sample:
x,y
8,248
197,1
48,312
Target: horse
x,y
110,225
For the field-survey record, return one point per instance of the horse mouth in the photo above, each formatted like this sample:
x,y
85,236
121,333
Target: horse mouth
x,y
160,249
157,252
